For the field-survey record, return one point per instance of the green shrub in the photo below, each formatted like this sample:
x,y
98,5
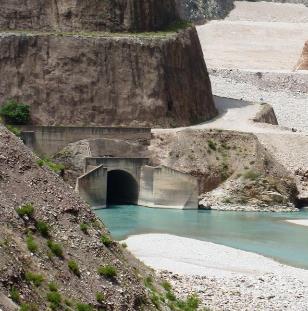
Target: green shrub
x,y
25,210
31,244
73,266
14,294
190,304
148,281
53,287
105,239
167,286
55,167
170,296
155,300
15,113
42,228
107,271
211,145
55,300
252,175
83,307
35,279
55,248
84,227
28,307
100,297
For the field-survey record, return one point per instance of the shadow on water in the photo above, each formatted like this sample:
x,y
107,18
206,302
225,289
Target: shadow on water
x,y
264,233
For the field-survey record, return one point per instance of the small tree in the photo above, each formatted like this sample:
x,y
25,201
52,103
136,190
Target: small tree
x,y
15,113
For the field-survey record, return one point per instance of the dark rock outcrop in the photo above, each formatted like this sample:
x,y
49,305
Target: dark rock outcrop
x,y
86,15
200,11
303,61
105,80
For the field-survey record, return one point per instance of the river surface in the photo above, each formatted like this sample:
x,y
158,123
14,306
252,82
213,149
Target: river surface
x,y
264,233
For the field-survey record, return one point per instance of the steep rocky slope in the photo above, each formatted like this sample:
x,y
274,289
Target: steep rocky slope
x,y
101,79
303,61
23,181
91,15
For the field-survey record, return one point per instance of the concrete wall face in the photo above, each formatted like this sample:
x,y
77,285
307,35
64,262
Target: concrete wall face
x,y
163,187
48,140
159,187
92,187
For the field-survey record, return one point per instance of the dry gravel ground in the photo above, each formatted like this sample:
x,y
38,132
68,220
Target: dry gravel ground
x,y
256,35
224,278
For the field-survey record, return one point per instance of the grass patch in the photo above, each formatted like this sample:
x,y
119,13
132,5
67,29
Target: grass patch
x,y
16,131
84,227
167,286
105,239
211,145
55,248
31,244
100,297
28,307
251,175
14,294
25,210
73,267
84,307
35,279
53,287
42,228
107,271
55,300
55,167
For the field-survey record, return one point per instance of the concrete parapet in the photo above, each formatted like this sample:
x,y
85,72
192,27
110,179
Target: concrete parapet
x,y
48,140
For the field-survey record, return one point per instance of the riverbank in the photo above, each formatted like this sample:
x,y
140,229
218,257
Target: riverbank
x,y
301,222
224,278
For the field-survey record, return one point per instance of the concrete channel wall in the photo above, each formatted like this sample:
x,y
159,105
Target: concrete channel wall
x,y
48,140
160,187
164,187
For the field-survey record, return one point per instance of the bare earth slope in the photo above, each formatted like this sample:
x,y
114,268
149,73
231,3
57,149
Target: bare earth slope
x,y
23,181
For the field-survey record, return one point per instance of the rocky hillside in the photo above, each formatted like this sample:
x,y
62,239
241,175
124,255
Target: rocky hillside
x,y
88,15
232,167
100,79
303,61
53,250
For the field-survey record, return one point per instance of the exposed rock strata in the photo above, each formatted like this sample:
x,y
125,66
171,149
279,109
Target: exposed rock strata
x,y
91,15
303,61
23,181
75,80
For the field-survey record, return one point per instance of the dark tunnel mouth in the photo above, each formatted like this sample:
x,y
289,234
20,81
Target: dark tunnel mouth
x,y
122,188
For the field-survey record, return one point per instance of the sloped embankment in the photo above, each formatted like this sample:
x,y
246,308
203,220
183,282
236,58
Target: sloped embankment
x,y
58,241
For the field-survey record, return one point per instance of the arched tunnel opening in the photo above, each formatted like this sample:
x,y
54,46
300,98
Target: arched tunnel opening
x,y
122,188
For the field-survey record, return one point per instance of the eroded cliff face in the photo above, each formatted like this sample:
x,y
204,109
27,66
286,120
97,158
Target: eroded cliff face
x,y
107,80
303,61
90,15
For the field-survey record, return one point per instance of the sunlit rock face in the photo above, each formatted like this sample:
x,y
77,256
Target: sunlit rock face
x,y
303,61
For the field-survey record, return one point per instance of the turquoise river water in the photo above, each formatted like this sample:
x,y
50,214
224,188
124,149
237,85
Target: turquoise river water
x,y
264,233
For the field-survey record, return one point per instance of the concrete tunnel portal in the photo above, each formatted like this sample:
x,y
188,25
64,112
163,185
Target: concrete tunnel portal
x,y
122,188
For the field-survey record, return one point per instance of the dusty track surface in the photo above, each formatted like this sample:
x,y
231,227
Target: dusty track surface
x,y
262,36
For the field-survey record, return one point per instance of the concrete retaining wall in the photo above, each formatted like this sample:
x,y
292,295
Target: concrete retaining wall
x,y
92,187
48,140
164,187
159,187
